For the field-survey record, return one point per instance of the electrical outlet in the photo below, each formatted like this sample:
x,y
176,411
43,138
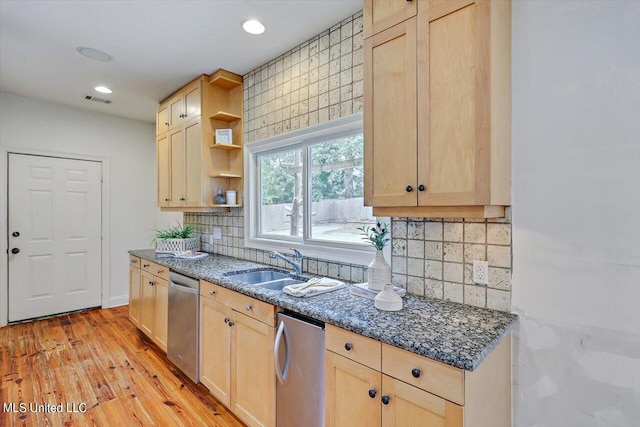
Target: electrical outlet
x,y
481,272
217,234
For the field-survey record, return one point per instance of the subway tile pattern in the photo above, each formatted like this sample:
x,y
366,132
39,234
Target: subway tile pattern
x,y
434,257
321,80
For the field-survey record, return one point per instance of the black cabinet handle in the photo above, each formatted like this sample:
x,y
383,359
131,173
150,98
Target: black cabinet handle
x,y
166,200
348,346
15,234
421,187
226,320
372,393
145,265
409,189
15,251
151,283
166,123
230,323
212,292
182,199
415,372
385,400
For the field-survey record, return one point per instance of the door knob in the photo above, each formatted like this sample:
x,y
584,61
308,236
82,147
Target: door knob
x,y
385,400
372,393
348,346
409,189
15,250
415,372
15,234
421,187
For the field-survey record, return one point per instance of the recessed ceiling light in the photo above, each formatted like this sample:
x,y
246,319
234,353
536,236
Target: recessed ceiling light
x,y
253,26
103,89
96,54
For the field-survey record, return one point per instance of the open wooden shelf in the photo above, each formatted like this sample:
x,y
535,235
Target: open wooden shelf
x,y
225,117
226,146
225,79
224,175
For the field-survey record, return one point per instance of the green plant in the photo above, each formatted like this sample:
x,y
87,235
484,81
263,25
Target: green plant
x,y
377,235
175,232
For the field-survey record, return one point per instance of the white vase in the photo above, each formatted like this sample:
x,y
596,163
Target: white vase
x,y
388,299
379,272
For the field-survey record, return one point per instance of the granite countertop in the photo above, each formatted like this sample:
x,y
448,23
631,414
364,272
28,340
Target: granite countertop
x,y
451,333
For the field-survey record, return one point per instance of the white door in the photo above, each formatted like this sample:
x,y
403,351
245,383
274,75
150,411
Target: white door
x,y
54,235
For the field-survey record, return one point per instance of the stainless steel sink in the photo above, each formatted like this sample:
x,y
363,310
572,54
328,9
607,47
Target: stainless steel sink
x,y
277,285
259,276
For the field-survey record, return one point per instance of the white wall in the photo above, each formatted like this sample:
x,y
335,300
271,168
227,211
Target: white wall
x,y
128,145
576,212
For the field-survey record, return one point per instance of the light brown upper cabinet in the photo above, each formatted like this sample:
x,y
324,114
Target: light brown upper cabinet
x,y
382,14
185,105
458,161
191,166
162,119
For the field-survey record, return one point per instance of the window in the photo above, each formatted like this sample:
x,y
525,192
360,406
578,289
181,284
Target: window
x,y
307,188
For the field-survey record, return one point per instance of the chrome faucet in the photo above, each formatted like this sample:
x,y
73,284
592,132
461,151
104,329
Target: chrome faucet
x,y
297,264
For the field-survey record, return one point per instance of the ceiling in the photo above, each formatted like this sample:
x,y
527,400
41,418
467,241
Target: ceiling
x,y
157,46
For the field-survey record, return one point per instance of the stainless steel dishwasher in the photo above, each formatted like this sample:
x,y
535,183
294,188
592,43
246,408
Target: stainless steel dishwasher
x,y
183,330
299,359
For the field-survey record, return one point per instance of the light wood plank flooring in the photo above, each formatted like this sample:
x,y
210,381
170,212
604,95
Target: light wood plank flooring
x,y
99,358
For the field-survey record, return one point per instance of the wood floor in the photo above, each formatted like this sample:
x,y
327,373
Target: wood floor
x,y
98,358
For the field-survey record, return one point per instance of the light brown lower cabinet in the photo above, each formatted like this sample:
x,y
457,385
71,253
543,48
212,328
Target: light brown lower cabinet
x,y
402,389
134,290
236,353
154,303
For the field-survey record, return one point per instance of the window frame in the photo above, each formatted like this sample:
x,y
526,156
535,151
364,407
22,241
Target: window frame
x,y
302,138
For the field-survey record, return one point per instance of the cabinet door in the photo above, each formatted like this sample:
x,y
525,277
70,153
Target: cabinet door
x,y
379,15
147,303
215,349
160,312
192,101
390,128
454,103
347,387
177,167
409,406
164,171
252,369
162,119
176,110
192,159
134,295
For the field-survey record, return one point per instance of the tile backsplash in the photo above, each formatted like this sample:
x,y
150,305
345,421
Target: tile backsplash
x,y
320,80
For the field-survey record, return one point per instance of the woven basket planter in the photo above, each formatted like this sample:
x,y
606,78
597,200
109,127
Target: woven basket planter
x,y
178,245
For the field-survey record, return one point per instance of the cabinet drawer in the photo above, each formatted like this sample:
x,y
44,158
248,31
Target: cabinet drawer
x,y
244,304
155,269
134,261
353,346
435,377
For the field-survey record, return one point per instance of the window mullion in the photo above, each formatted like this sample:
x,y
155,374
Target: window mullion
x,y
306,192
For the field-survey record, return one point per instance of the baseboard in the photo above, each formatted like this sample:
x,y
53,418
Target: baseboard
x,y
118,301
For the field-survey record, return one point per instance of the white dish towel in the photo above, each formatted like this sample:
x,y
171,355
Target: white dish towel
x,y
314,287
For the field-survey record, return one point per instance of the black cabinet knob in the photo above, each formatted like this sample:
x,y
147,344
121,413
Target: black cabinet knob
x,y
421,187
348,346
415,372
372,393
15,234
385,400
166,123
166,200
231,323
226,320
409,189
15,250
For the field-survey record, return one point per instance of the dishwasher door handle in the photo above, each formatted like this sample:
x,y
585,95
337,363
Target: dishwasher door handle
x,y
281,373
183,288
